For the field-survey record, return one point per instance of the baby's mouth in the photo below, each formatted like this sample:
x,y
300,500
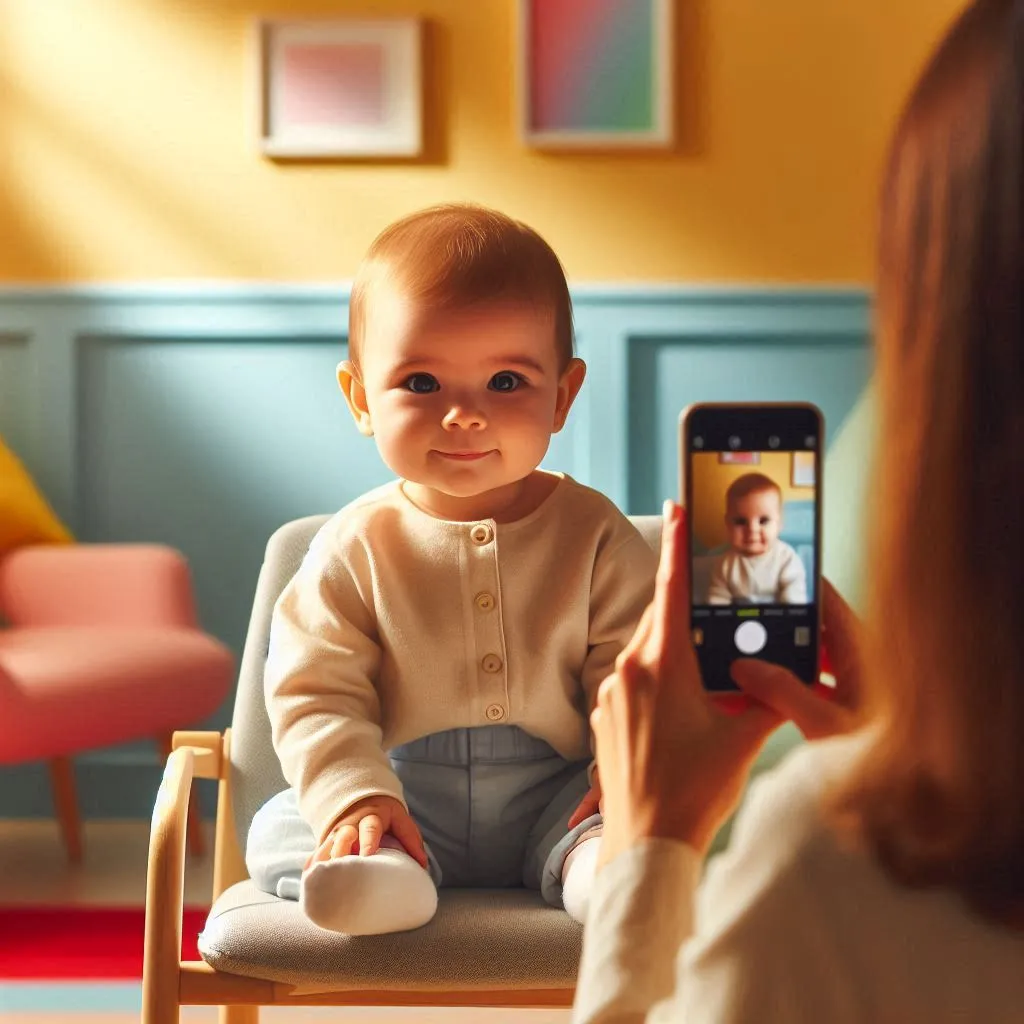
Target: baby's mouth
x,y
465,456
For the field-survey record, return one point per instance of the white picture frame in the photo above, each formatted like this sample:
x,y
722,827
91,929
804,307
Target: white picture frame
x,y
804,470
541,126
340,88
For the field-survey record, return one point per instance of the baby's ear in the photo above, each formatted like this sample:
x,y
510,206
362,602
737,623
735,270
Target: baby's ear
x,y
355,396
569,384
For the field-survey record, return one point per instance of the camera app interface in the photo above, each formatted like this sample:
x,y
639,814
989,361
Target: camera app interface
x,y
754,546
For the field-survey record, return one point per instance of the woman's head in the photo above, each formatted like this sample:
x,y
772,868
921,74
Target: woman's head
x,y
944,799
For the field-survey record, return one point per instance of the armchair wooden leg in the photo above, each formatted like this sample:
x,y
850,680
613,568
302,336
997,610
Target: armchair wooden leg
x,y
238,1015
65,802
195,838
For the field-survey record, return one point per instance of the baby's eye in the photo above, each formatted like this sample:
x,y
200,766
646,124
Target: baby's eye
x,y
764,520
421,384
739,522
506,381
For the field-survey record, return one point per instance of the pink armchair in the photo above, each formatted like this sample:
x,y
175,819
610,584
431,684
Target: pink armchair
x,y
101,646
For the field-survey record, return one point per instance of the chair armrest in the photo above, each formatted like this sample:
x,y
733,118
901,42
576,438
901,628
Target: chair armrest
x,y
165,880
96,585
207,750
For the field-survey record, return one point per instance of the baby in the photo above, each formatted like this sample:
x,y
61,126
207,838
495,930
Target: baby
x,y
758,568
433,662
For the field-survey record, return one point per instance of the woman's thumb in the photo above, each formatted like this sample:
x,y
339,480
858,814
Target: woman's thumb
x,y
784,693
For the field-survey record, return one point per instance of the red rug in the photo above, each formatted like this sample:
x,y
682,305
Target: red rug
x,y
69,943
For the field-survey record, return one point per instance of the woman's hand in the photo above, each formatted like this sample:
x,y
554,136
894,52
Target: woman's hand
x,y
673,763
818,711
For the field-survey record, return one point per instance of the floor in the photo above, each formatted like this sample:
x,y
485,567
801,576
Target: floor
x,y
33,870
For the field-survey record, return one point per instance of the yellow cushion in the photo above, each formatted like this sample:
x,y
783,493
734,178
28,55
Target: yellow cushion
x,y
25,515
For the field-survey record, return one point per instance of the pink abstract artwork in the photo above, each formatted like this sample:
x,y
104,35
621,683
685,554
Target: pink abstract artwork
x,y
339,88
333,83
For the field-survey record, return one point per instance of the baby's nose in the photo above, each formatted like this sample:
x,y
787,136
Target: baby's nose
x,y
466,415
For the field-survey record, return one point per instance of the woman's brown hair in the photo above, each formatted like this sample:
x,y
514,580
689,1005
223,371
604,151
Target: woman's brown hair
x,y
940,798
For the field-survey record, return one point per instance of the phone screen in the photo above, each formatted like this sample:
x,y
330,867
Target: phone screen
x,y
752,490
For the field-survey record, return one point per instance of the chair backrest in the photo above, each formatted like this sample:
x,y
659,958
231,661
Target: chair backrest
x,y
255,770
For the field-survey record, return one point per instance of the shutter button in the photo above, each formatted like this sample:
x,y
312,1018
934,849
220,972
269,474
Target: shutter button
x,y
480,534
750,637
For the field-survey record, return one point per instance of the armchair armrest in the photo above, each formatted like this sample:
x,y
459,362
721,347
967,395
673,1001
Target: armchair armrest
x,y
96,585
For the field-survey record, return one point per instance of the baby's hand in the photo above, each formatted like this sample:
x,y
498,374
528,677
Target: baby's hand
x,y
590,804
365,824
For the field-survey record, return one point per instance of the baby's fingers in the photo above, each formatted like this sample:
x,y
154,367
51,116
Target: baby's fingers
x,y
322,852
336,843
345,838
404,829
588,805
371,829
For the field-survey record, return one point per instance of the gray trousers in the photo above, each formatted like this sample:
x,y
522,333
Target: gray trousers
x,y
492,803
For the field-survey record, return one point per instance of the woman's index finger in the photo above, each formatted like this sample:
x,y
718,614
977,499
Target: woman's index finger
x,y
671,618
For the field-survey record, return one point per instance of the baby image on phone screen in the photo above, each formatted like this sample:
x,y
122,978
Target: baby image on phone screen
x,y
758,567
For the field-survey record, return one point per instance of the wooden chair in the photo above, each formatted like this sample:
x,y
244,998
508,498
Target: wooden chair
x,y
484,948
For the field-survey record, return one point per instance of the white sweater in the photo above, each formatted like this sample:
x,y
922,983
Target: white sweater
x,y
398,625
788,926
776,577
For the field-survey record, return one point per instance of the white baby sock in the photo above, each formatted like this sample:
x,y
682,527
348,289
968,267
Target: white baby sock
x,y
578,878
385,892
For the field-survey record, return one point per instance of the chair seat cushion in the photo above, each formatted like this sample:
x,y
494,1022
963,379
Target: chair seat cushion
x,y
479,939
80,687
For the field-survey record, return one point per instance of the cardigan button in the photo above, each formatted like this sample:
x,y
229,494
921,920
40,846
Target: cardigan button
x,y
485,601
491,663
495,712
481,534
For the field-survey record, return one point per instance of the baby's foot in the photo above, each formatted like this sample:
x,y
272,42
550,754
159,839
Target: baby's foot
x,y
385,892
578,873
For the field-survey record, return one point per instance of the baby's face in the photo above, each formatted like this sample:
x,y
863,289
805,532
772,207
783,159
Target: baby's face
x,y
753,523
461,403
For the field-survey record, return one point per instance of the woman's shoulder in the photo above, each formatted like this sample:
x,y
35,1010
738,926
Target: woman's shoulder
x,y
809,769
783,813
782,832
853,935
765,918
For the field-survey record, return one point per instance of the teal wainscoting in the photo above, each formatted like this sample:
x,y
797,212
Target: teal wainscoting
x,y
205,416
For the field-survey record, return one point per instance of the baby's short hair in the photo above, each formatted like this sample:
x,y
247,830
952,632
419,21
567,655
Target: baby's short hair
x,y
458,256
750,483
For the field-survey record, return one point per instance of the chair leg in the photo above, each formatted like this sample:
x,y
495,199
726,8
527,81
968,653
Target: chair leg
x,y
62,781
238,1015
158,1011
194,836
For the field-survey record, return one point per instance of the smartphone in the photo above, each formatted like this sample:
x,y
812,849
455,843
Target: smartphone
x,y
750,480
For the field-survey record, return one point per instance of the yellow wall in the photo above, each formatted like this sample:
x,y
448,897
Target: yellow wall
x,y
127,149
711,480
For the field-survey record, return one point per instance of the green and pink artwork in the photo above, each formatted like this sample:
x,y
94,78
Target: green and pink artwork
x,y
596,73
